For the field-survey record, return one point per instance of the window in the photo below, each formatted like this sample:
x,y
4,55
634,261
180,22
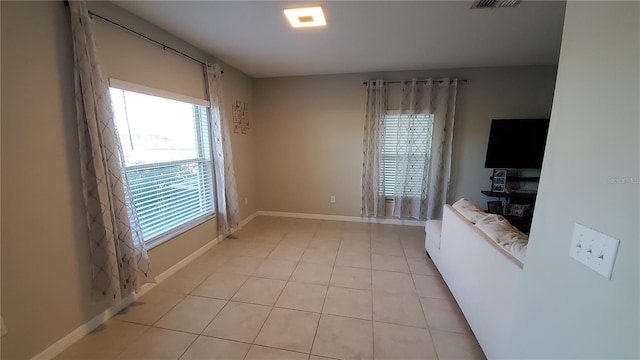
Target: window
x,y
167,155
406,145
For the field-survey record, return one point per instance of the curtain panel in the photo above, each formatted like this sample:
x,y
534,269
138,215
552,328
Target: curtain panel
x,y
438,99
423,153
373,199
119,261
227,208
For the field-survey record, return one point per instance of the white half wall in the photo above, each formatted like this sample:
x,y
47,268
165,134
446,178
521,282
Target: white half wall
x,y
591,176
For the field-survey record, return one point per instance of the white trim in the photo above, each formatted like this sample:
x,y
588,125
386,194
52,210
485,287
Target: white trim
x,y
125,85
247,220
344,218
71,338
184,262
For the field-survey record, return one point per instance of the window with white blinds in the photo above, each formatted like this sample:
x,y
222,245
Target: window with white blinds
x,y
406,146
167,154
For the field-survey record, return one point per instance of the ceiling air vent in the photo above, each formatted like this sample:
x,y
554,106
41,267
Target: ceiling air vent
x,y
487,4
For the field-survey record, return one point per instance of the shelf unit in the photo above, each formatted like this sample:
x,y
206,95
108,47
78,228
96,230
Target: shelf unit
x,y
511,195
521,178
523,223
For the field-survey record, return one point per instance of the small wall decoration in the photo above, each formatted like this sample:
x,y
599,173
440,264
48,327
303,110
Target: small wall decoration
x,y
240,112
495,207
508,210
518,210
499,182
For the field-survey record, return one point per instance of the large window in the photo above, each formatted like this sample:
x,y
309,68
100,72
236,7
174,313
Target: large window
x,y
406,146
167,154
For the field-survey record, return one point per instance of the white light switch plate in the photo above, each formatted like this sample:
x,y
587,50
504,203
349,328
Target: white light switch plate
x,y
594,249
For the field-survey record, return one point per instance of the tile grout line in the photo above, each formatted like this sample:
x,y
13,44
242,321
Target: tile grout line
x,y
289,280
187,348
270,310
433,343
315,335
133,341
373,335
273,306
228,300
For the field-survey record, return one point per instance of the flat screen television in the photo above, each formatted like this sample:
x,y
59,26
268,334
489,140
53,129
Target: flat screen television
x,y
517,143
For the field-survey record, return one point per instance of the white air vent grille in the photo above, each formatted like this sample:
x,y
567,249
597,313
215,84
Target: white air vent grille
x,y
507,3
482,4
487,4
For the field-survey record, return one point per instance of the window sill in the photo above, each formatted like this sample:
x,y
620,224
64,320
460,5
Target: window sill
x,y
160,239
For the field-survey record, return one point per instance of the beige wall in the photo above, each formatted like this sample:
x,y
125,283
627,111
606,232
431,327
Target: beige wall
x,y
310,132
45,269
590,176
129,58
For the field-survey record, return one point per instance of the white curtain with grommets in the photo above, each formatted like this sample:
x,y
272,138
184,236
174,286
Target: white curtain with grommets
x,y
227,207
119,261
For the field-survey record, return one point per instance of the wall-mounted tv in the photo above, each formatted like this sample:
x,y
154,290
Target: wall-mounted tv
x,y
517,143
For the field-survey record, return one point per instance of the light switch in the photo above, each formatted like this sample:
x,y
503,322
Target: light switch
x,y
594,249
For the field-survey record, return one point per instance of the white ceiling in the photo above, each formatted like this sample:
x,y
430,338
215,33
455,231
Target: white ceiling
x,y
363,36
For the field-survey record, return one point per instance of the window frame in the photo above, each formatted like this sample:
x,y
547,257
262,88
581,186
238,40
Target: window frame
x,y
182,228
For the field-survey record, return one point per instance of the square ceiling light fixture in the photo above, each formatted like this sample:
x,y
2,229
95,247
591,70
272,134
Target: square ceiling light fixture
x,y
305,16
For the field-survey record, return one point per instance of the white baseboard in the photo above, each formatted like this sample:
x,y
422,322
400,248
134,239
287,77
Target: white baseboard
x,y
343,218
184,262
77,334
248,219
71,338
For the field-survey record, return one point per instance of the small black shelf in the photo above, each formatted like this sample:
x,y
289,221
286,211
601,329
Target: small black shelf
x,y
521,178
511,195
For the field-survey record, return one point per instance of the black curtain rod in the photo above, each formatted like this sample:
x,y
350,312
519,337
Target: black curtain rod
x,y
163,46
420,81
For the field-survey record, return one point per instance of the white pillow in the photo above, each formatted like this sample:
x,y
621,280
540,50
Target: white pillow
x,y
470,210
506,235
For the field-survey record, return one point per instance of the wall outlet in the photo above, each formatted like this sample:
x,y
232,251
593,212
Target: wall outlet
x,y
246,200
594,249
333,199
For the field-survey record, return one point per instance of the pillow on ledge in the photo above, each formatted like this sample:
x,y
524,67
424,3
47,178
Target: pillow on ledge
x,y
506,235
470,210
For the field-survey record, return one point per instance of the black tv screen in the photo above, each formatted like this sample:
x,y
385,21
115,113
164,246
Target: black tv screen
x,y
517,143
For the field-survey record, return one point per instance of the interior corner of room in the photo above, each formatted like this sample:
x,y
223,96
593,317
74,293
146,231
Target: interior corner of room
x,y
297,144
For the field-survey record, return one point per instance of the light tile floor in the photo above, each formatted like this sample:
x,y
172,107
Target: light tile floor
x,y
295,289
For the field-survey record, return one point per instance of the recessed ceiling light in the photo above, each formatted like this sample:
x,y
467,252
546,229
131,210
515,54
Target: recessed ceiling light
x,y
306,16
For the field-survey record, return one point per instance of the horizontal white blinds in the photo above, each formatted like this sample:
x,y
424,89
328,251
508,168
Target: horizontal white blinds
x,y
168,159
406,144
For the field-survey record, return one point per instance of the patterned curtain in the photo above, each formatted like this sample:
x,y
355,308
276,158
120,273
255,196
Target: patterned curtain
x,y
428,148
120,264
228,211
373,199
